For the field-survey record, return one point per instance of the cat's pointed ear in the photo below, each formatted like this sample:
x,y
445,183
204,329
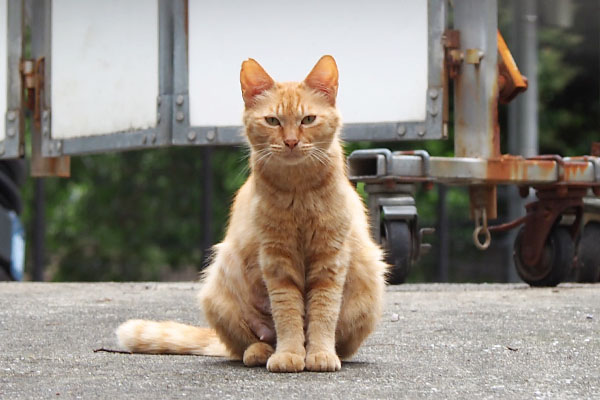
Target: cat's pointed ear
x,y
324,78
254,80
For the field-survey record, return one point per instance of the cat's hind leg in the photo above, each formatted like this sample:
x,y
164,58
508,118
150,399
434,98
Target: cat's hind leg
x,y
361,309
257,354
228,315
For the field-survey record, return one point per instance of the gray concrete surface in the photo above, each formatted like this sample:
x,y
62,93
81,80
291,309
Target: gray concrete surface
x,y
435,341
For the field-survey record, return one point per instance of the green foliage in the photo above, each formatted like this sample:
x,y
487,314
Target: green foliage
x,y
556,73
134,216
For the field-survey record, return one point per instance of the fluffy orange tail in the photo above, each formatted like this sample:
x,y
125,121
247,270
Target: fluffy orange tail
x,y
139,336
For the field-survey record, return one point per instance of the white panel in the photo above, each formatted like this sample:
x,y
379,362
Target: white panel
x,y
380,47
3,67
104,66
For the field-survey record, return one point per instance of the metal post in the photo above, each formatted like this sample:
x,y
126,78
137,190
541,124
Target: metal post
x,y
476,130
207,203
38,229
476,86
523,111
443,249
40,49
527,59
36,12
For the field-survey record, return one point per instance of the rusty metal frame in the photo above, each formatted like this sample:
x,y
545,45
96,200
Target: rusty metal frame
x,y
433,127
158,136
561,184
13,144
381,165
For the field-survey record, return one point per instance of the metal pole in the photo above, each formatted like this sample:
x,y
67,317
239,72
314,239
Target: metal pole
x,y
36,11
443,249
476,87
476,130
207,203
38,230
527,59
523,111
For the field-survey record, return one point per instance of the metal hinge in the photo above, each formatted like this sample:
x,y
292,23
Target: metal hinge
x,y
32,72
453,56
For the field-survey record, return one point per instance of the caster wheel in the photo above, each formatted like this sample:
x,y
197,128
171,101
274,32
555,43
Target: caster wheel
x,y
555,262
588,254
10,197
397,241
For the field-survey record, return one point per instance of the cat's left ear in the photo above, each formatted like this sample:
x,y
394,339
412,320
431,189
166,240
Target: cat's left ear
x,y
324,78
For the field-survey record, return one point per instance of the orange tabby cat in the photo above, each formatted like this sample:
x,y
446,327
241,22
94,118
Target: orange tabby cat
x,y
297,269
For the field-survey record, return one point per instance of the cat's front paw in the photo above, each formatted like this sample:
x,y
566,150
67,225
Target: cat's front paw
x,y
285,362
323,361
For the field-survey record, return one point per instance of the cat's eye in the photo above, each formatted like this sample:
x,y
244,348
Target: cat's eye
x,y
272,121
309,119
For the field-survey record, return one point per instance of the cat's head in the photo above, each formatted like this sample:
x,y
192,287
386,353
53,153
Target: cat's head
x,y
291,122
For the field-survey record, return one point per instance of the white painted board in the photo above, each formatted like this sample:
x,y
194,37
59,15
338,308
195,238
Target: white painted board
x,y
104,73
380,47
3,66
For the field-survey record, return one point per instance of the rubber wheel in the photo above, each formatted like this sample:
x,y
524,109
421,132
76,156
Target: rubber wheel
x,y
588,254
554,264
397,242
10,197
14,169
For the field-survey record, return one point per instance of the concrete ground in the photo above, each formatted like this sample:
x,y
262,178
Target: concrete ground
x,y
435,341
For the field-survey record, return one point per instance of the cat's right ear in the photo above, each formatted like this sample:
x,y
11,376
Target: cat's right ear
x,y
254,80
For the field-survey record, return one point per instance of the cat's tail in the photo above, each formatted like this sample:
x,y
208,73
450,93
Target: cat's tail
x,y
168,337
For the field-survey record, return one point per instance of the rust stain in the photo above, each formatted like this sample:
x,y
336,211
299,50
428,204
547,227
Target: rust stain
x,y
503,168
575,169
483,196
547,168
510,169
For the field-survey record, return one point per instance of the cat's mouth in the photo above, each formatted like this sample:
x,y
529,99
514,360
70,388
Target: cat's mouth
x,y
292,156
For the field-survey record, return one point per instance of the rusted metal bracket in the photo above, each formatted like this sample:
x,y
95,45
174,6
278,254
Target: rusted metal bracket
x,y
33,73
454,57
510,80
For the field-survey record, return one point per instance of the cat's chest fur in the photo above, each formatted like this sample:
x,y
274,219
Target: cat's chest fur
x,y
304,217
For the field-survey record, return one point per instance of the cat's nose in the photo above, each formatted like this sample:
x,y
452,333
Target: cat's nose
x,y
291,143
